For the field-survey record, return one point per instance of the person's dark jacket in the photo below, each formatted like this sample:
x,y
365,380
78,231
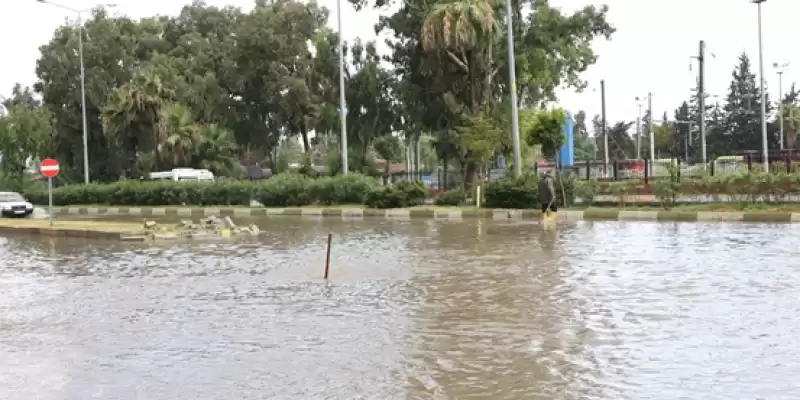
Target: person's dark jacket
x,y
547,189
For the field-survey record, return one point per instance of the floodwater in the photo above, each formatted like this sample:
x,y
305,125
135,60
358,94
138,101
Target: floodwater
x,y
414,310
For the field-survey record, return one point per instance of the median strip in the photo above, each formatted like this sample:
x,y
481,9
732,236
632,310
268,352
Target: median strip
x,y
438,213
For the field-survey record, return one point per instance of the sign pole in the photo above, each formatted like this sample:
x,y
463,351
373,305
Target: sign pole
x,y
49,168
50,199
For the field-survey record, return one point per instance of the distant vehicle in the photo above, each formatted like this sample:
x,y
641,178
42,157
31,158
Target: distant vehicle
x,y
13,204
182,174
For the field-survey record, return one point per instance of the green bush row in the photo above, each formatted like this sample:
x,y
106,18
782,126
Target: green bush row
x,y
283,190
523,192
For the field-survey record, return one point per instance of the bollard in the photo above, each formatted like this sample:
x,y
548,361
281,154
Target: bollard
x,y
328,256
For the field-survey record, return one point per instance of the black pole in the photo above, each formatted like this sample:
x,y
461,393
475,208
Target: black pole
x,y
605,133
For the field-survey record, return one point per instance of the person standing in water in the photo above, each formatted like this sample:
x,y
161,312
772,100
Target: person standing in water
x,y
547,193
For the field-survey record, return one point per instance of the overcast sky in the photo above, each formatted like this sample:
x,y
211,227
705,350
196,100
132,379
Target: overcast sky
x,y
649,53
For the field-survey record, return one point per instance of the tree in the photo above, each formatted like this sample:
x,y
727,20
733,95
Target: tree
x,y
448,60
791,120
216,84
390,150
26,134
547,131
682,130
742,125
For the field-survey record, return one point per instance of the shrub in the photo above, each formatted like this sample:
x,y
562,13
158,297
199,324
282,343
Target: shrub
x,y
343,189
586,191
452,197
402,194
522,192
287,189
415,191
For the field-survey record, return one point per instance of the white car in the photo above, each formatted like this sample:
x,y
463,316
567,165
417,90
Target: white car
x,y
12,204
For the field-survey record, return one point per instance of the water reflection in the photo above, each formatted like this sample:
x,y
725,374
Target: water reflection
x,y
415,309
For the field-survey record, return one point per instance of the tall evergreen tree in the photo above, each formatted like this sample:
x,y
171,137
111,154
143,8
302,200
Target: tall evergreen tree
x,y
683,131
742,122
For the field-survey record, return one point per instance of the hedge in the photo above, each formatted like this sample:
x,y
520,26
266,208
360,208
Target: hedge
x,y
743,183
523,192
283,190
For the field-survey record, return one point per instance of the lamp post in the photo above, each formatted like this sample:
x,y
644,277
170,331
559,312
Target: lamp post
x,y
342,98
80,12
512,80
764,142
780,68
639,102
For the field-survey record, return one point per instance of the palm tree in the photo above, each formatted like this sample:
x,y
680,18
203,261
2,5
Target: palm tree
x,y
465,32
131,117
216,149
181,135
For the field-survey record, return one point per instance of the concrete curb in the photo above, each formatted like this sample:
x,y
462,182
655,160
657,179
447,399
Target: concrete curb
x,y
596,214
58,232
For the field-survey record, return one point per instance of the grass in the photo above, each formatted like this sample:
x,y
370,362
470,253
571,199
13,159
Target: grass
x,y
102,226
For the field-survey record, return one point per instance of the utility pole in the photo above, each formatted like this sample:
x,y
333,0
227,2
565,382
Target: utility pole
x,y
652,141
764,142
342,97
780,104
512,80
639,131
780,68
701,101
605,130
688,135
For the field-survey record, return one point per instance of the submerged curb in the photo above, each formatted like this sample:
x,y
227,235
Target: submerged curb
x,y
598,214
60,232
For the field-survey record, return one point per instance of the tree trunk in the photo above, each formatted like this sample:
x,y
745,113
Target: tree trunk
x,y
470,175
561,182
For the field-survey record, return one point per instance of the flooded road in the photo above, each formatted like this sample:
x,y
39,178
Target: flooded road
x,y
414,310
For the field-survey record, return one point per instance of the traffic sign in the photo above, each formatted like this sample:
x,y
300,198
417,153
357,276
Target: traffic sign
x,y
49,168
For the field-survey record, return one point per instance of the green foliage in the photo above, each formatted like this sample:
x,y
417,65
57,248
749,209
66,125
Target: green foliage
x,y
522,192
401,194
452,197
547,130
287,189
25,135
586,191
213,86
667,190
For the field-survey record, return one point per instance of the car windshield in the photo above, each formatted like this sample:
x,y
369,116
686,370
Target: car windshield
x,y
6,197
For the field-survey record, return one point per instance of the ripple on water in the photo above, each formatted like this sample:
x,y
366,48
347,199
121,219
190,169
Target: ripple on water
x,y
474,309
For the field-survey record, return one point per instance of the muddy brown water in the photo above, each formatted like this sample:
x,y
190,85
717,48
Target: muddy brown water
x,y
414,310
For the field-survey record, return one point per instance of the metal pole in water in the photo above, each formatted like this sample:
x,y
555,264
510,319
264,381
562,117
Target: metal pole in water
x,y
328,256
50,199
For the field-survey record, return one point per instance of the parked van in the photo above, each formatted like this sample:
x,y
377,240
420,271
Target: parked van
x,y
182,174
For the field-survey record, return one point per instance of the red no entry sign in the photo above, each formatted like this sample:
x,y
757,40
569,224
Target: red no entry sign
x,y
49,168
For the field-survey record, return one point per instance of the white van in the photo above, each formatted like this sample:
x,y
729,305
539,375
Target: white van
x,y
182,174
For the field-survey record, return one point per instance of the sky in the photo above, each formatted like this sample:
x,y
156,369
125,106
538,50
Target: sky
x,y
650,52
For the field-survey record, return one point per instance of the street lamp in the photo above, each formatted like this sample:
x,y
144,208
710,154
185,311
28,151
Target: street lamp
x,y
79,12
342,98
640,103
763,97
512,80
780,68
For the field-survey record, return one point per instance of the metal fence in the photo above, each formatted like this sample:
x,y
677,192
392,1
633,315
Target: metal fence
x,y
656,169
